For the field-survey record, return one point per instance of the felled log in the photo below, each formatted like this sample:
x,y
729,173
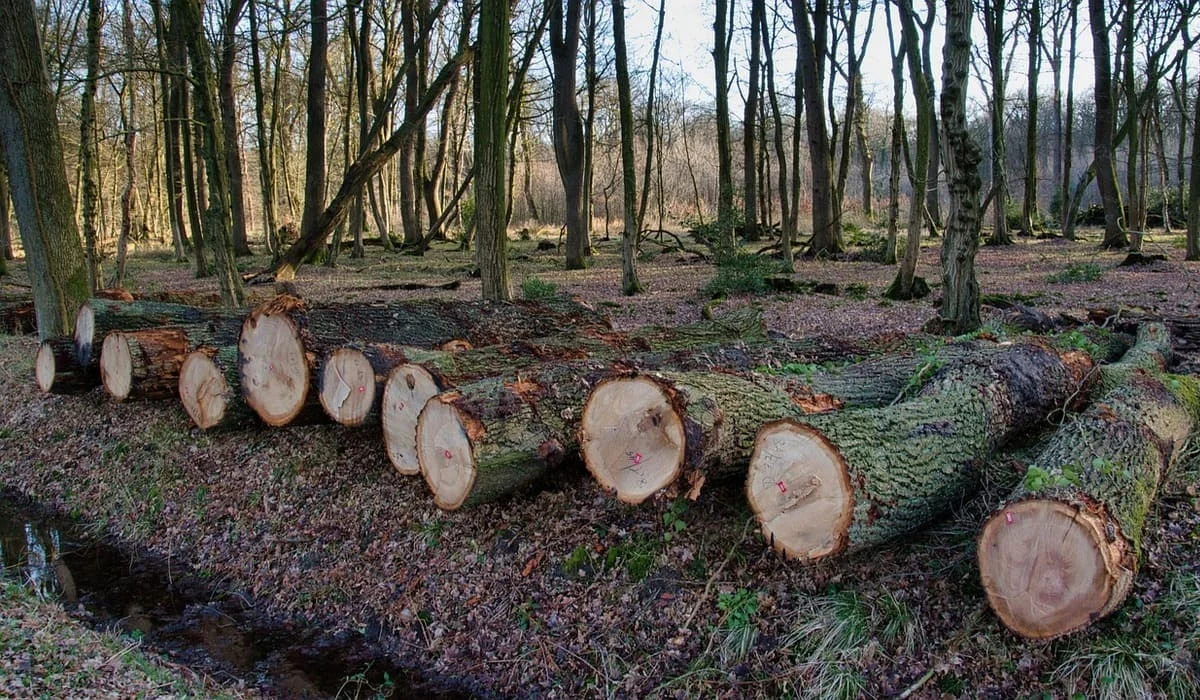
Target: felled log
x,y
99,317
827,484
145,364
1063,550
57,370
282,340
486,439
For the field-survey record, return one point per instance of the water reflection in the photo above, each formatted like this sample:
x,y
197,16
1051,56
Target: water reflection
x,y
33,552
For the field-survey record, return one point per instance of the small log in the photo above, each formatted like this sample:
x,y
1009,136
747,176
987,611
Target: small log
x,y
1063,550
146,364
57,370
282,340
822,485
99,317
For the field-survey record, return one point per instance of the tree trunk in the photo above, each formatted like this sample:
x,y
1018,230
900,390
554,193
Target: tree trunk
x,y
88,155
629,279
1193,222
170,137
960,289
811,40
491,184
865,155
836,483
282,340
651,122
129,137
266,166
1068,213
787,206
907,285
722,31
229,124
1092,484
145,364
33,158
898,144
314,161
1106,174
6,248
994,14
1029,206
749,147
568,127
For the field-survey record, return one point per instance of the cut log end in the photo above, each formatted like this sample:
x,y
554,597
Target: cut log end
x,y
632,437
274,369
444,451
347,386
404,395
798,486
1050,568
203,390
85,331
116,366
45,367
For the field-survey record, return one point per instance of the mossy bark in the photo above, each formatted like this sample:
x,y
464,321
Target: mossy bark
x,y
911,462
108,316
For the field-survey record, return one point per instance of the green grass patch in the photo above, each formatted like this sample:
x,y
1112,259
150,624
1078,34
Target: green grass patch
x,y
1077,272
537,288
742,274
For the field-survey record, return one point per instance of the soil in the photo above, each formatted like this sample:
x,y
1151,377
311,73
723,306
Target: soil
x,y
562,591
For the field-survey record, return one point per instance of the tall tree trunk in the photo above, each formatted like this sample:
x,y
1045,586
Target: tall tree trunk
x,y
1106,173
314,161
129,133
1193,222
1068,218
592,78
216,219
170,137
568,126
180,104
811,40
749,148
229,122
6,249
722,29
898,145
907,285
491,157
993,18
865,155
1029,207
33,158
933,205
644,201
88,155
359,25
1135,210
629,280
960,290
266,165
786,204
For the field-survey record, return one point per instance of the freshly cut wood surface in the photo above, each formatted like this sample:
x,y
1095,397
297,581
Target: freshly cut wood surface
x,y
283,340
1063,551
405,393
905,464
57,370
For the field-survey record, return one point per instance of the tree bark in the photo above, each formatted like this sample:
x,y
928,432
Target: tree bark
x,y
145,364
629,236
811,45
129,137
229,124
314,161
1193,222
6,248
568,126
1029,206
266,165
1092,484
994,14
749,147
840,482
722,31
98,317
960,289
491,152
90,194
1106,174
33,158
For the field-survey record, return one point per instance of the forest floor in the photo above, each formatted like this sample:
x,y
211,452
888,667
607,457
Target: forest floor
x,y
564,592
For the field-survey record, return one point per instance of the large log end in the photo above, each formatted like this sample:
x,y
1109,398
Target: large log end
x,y
404,395
447,460
798,486
1050,568
57,370
273,366
203,390
116,366
347,386
632,437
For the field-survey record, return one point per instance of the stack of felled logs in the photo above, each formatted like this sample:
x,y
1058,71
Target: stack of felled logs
x,y
484,399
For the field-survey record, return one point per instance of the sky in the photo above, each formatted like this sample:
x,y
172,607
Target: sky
x,y
688,40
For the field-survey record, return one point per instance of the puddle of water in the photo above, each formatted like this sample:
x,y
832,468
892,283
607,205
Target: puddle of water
x,y
224,636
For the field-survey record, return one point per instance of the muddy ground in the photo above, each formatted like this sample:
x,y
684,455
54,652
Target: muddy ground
x,y
562,591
